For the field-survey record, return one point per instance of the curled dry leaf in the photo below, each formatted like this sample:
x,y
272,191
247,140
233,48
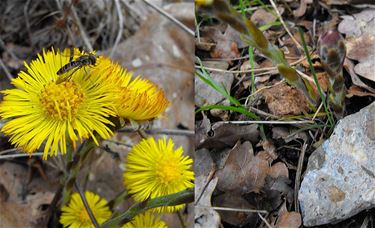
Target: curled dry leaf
x,y
349,66
358,91
360,41
362,49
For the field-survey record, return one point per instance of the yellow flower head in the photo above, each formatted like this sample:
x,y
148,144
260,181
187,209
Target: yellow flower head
x,y
75,215
137,99
146,220
155,169
141,100
203,2
44,108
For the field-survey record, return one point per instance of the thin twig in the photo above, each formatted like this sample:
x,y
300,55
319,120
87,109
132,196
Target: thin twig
x,y
246,71
9,151
234,209
298,176
265,221
27,21
170,17
262,113
283,23
142,133
182,222
157,131
85,38
7,73
87,206
118,143
305,76
246,122
121,22
20,155
317,111
207,182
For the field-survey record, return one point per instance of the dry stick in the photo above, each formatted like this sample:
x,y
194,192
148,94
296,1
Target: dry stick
x,y
142,133
262,113
265,221
208,178
81,29
283,23
317,111
248,71
121,28
234,209
118,143
20,155
263,88
298,176
9,151
87,206
26,15
170,17
7,73
246,122
161,131
183,225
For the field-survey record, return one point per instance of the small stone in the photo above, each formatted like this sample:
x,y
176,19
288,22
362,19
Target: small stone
x,y
339,181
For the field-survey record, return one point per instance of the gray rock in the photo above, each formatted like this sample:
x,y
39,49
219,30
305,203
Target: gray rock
x,y
340,178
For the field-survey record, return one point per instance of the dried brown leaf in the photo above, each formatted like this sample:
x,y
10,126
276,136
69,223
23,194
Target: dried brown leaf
x,y
285,100
224,135
234,217
358,91
261,17
288,219
204,215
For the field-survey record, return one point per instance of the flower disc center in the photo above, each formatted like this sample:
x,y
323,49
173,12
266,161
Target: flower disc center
x,y
62,100
168,171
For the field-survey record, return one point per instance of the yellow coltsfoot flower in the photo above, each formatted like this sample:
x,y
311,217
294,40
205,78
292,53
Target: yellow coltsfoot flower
x,y
137,99
75,215
154,169
42,110
146,220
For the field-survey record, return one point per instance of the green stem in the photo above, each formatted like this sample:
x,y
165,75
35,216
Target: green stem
x,y
185,196
73,168
312,69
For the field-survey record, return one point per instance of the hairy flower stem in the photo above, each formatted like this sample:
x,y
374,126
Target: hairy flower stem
x,y
73,168
255,38
182,197
332,53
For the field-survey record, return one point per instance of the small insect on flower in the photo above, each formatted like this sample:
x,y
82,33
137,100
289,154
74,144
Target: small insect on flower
x,y
65,71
